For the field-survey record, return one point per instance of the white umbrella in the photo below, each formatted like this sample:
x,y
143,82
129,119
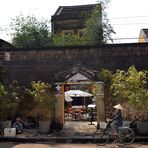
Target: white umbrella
x,y
68,98
77,93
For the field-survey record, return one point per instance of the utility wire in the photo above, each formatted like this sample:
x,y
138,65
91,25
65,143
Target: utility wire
x,y
130,17
119,18
129,24
126,38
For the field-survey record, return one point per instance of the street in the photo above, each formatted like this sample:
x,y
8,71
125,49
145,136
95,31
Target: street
x,y
46,145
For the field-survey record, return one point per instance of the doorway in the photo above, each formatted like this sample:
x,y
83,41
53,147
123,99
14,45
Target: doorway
x,y
88,87
77,97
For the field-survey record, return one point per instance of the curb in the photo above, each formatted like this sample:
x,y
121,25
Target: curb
x,y
60,139
50,140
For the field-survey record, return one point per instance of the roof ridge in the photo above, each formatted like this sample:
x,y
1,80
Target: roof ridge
x,y
79,5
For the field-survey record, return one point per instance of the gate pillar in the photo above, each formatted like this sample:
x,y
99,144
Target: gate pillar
x,y
100,104
59,105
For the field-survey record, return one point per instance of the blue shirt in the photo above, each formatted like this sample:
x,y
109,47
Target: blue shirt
x,y
117,118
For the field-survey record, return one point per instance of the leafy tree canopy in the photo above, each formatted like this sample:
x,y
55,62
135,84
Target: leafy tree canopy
x,y
130,86
98,27
30,32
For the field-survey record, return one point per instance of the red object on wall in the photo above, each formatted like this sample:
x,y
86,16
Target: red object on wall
x,y
66,87
91,87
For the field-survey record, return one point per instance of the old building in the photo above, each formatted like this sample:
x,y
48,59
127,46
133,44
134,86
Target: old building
x,y
143,37
5,55
70,19
4,44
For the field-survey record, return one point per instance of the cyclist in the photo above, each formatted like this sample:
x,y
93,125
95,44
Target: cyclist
x,y
117,119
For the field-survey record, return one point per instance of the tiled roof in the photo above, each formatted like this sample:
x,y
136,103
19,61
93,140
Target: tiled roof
x,y
89,73
72,11
4,44
145,32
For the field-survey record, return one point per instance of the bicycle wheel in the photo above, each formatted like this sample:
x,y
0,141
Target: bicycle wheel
x,y
126,136
101,137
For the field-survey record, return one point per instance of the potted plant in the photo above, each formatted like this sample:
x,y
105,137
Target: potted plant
x,y
44,102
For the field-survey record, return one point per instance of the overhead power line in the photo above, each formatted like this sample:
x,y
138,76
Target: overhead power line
x,y
130,23
125,38
117,18
130,17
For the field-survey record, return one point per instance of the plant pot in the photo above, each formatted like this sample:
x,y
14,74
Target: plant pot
x,y
44,127
9,132
142,128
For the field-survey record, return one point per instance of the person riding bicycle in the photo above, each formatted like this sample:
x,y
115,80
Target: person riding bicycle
x,y
117,119
125,135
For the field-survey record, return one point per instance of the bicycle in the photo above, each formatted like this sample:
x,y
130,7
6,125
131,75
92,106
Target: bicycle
x,y
102,136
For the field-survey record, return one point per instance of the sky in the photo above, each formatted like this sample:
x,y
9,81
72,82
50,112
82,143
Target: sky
x,y
126,16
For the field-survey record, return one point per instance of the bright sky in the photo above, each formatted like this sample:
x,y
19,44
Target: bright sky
x,y
126,16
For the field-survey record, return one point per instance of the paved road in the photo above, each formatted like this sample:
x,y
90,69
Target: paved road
x,y
32,145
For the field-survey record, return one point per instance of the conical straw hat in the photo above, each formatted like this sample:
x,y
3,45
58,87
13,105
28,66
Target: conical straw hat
x,y
118,106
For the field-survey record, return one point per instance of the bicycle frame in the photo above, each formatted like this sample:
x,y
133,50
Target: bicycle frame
x,y
125,135
109,130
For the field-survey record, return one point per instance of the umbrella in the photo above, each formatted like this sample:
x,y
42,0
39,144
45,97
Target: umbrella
x,y
77,93
68,98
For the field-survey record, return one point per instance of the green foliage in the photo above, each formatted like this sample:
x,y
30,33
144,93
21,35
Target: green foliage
x,y
106,26
106,75
30,32
94,31
44,98
67,40
8,103
130,87
41,92
98,27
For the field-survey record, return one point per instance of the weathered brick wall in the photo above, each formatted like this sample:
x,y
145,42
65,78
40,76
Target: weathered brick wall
x,y
26,65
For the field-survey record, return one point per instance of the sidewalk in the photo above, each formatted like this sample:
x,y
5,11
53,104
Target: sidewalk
x,y
72,132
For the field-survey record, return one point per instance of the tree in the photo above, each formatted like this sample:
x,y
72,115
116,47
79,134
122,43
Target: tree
x,y
130,87
94,30
106,26
30,32
98,27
